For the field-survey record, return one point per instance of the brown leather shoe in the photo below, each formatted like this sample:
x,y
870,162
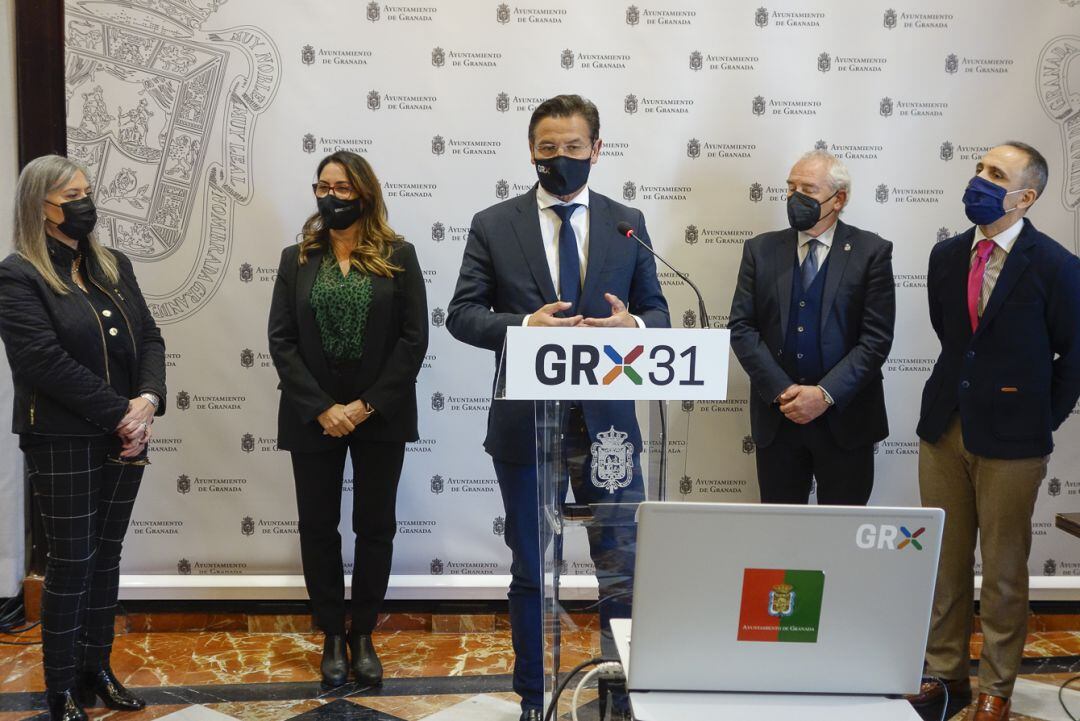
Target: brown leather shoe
x,y
932,694
991,708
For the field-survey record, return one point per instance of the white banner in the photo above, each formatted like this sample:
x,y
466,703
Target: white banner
x,y
203,122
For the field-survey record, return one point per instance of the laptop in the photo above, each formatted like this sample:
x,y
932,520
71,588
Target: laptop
x,y
777,598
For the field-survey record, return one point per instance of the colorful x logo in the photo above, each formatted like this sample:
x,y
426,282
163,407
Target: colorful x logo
x,y
622,365
910,538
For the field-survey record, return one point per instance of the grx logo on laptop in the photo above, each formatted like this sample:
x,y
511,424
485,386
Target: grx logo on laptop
x,y
885,537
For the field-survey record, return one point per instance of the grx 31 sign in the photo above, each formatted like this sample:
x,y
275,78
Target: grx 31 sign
x,y
615,364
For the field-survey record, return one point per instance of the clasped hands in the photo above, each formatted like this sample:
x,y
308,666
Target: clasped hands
x,y
340,420
134,428
802,404
620,317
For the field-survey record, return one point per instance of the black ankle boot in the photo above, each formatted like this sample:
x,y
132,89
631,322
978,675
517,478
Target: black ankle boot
x,y
63,706
365,662
335,662
104,685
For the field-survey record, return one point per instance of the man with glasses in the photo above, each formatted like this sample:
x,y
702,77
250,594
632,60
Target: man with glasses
x,y
553,258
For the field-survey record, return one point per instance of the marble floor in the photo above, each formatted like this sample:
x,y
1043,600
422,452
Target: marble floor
x,y
447,676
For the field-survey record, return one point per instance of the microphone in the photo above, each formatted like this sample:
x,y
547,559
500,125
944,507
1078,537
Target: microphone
x,y
626,229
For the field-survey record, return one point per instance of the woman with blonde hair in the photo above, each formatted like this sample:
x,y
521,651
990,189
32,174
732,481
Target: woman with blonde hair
x,y
348,334
88,365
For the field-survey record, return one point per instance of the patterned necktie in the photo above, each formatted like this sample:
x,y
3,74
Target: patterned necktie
x,y
809,266
569,265
983,249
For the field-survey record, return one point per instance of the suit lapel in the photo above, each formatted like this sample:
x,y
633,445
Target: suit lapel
x,y
1015,265
954,282
600,239
526,225
305,315
784,263
838,257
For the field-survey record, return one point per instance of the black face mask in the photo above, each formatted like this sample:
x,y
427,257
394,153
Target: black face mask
x,y
339,214
562,175
804,212
80,217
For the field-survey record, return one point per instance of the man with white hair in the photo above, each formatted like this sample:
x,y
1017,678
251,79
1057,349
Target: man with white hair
x,y
812,323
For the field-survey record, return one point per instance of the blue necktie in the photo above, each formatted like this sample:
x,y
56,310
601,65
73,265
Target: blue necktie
x,y
810,264
569,265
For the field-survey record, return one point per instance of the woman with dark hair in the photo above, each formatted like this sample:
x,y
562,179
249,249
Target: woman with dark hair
x,y
348,334
88,365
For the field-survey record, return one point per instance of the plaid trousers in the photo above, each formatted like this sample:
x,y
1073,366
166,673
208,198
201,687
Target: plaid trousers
x,y
85,495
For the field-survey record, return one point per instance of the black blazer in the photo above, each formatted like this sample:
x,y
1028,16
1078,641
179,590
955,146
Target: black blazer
x,y
395,342
505,276
56,347
1017,378
857,316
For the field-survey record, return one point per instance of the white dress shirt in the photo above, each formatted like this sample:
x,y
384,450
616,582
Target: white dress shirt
x,y
821,252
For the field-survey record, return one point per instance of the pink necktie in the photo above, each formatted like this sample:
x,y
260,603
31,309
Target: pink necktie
x,y
983,249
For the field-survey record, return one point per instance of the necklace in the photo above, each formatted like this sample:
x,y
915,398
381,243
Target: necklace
x,y
75,265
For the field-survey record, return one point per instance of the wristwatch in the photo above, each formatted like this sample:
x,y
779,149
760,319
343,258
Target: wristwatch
x,y
151,398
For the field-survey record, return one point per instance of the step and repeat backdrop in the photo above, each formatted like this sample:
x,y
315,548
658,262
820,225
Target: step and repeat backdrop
x,y
202,122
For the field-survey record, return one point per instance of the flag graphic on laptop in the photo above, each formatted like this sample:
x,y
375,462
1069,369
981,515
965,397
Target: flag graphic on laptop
x,y
780,605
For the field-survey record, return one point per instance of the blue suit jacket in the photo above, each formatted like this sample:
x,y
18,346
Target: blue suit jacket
x,y
857,316
1017,377
505,276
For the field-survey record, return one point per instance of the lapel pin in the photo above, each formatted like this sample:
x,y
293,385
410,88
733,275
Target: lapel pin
x,y
847,246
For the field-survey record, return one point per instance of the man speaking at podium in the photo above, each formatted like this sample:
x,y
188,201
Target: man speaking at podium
x,y
812,323
552,257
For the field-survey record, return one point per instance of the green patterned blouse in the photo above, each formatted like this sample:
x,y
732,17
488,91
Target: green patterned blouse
x,y
341,304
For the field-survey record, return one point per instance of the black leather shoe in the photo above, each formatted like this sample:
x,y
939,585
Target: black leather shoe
x,y
104,685
931,695
63,706
530,714
335,662
365,662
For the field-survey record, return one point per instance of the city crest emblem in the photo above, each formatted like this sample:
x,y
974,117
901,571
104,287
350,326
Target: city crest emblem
x,y
821,145
438,231
748,445
881,193
247,443
183,400
943,233
946,152
438,57
952,63
374,100
782,600
758,105
309,143
761,17
689,319
162,112
757,192
436,567
693,148
688,406
183,567
1054,487
633,15
502,189
438,317
629,190
373,12
502,102
630,104
307,55
686,485
247,526
697,62
502,13
247,358
247,274
889,21
613,460
183,484
437,484
567,59
824,62
498,526
1050,567
691,235
885,107
438,401
438,145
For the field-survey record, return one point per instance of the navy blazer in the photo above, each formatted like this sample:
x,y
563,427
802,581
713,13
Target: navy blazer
x,y
858,313
1017,377
505,276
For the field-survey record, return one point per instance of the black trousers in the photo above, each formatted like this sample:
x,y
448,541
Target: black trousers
x,y
85,494
318,478
802,453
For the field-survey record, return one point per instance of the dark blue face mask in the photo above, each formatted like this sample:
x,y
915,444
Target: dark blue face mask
x,y
562,175
984,202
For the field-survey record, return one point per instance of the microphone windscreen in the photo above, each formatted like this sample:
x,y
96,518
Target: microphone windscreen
x,y
625,228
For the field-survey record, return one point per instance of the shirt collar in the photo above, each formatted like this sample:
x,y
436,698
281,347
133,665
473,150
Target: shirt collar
x,y
61,252
825,238
545,199
1004,239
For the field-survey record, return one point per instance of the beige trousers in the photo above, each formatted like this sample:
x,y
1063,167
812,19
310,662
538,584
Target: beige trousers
x,y
992,499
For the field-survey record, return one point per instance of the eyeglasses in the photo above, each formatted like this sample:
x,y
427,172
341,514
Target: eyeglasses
x,y
575,149
341,191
